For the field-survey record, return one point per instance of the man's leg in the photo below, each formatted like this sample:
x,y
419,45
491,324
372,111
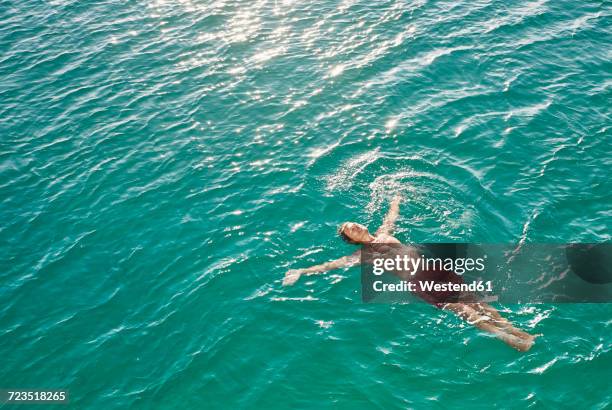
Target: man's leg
x,y
503,322
503,330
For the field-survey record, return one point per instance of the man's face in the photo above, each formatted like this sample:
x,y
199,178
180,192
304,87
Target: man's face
x,y
356,232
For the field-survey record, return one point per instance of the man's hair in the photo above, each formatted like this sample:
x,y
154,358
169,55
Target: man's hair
x,y
345,237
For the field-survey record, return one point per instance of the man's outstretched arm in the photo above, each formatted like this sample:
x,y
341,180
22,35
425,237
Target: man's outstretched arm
x,y
388,225
293,275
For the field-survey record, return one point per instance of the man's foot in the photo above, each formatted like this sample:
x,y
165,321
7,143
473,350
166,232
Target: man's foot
x,y
291,277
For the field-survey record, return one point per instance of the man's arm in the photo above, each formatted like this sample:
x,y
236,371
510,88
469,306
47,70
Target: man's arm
x,y
388,225
293,275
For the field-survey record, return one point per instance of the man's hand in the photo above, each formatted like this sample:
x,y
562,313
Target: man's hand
x,y
291,276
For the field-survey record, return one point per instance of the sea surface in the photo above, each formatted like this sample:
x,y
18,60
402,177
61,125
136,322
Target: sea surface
x,y
163,163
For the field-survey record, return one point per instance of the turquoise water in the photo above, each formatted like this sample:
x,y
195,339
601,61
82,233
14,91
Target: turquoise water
x,y
163,163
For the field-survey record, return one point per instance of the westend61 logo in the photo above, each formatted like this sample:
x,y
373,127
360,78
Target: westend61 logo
x,y
471,273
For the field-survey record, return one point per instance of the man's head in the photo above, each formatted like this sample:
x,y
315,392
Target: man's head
x,y
355,233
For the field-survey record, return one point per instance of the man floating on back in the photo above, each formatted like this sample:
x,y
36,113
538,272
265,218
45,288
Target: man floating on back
x,y
479,314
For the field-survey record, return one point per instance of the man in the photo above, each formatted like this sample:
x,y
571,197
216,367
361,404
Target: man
x,y
479,314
